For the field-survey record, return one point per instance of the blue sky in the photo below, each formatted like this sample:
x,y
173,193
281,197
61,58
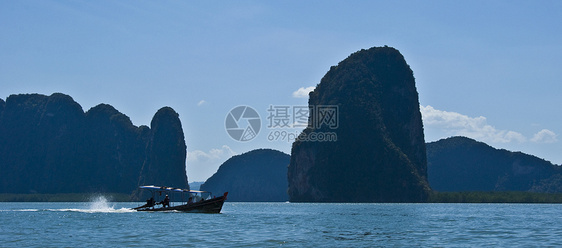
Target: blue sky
x,y
489,70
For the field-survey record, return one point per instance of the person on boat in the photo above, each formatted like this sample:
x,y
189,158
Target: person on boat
x,y
165,202
190,200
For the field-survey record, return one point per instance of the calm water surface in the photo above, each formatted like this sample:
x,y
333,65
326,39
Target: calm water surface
x,y
106,224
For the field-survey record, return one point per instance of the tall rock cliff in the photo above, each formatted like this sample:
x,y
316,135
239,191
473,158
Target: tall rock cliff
x,y
256,176
49,145
166,152
379,155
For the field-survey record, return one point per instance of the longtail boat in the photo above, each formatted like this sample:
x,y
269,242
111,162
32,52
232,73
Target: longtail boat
x,y
183,200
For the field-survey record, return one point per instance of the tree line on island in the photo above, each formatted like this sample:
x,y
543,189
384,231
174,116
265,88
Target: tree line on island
x,y
49,145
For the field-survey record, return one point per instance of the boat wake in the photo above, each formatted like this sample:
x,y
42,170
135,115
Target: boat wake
x,y
109,210
99,204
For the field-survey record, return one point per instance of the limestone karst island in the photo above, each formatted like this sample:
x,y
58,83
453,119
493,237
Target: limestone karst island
x,y
50,146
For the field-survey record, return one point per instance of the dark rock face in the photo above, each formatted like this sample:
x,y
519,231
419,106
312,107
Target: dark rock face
x,y
113,150
35,129
49,145
255,176
2,104
463,164
379,155
166,154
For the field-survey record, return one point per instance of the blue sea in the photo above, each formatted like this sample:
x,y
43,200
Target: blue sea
x,y
106,224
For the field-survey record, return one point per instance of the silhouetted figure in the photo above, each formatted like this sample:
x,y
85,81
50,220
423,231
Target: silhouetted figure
x,y
165,202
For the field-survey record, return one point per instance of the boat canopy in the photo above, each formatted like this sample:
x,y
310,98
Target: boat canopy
x,y
160,188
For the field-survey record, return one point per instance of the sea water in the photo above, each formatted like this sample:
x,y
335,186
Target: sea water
x,y
104,224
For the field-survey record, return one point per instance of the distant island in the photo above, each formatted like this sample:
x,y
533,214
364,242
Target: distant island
x,y
49,145
256,176
460,169
462,164
195,185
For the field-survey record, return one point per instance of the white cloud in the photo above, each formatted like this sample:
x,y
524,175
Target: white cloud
x,y
303,92
213,154
455,124
201,102
545,136
202,165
